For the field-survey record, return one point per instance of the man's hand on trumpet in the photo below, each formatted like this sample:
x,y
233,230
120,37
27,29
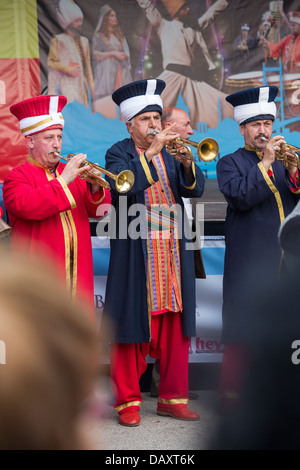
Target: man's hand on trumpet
x,y
271,147
275,147
182,155
161,138
95,185
74,168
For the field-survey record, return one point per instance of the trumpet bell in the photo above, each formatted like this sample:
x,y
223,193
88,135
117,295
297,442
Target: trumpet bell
x,y
207,149
124,181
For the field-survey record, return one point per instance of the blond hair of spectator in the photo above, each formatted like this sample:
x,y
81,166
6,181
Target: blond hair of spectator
x,y
51,360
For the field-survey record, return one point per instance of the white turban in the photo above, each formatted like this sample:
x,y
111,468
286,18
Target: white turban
x,y
139,97
68,12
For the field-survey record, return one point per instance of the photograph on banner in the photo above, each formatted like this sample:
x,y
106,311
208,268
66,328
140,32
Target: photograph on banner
x,y
203,50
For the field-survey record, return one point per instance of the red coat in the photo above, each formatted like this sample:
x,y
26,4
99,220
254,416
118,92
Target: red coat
x,y
279,51
36,203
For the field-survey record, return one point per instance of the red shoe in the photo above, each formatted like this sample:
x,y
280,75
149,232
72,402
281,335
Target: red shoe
x,y
130,418
178,413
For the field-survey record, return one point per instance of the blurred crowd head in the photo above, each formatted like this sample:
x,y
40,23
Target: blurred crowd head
x,y
49,359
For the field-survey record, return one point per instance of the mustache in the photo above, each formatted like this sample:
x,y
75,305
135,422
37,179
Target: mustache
x,y
153,132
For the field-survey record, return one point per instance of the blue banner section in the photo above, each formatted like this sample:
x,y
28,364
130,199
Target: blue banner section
x,y
101,261
213,258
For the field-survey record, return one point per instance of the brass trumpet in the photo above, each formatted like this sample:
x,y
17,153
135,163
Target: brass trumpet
x,y
207,149
280,155
5,229
124,180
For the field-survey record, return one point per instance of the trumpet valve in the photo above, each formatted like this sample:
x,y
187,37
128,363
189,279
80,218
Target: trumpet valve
x,y
172,149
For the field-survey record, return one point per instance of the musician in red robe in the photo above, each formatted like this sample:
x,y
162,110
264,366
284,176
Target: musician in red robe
x,y
288,49
48,204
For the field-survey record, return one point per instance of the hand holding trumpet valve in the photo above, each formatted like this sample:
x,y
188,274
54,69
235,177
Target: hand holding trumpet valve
x,y
269,151
278,149
78,166
161,138
182,153
75,167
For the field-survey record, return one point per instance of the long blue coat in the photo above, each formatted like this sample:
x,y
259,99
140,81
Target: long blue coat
x,y
126,305
257,204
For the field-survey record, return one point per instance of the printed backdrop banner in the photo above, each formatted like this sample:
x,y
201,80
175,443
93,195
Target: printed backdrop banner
x,y
87,48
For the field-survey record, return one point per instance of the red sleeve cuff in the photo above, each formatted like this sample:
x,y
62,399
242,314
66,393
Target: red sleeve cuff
x,y
295,180
97,195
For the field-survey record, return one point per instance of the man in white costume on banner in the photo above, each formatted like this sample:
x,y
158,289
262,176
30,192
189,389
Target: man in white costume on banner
x,y
177,46
69,64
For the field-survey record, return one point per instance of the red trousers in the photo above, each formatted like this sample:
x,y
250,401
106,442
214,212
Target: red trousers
x,y
170,347
232,376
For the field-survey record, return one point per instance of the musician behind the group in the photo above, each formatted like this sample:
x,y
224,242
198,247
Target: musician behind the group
x,y
150,295
184,128
48,205
260,192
